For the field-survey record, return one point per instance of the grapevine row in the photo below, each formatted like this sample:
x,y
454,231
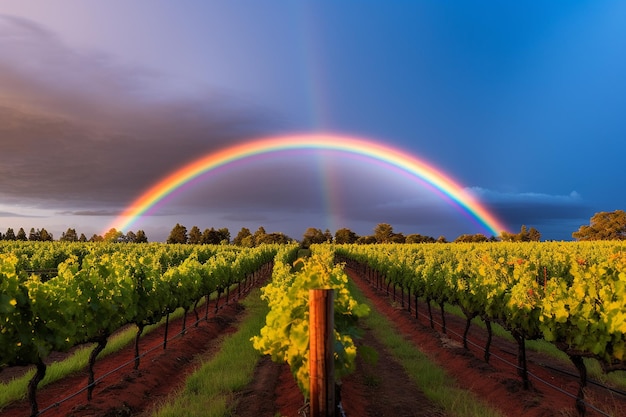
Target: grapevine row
x,y
571,294
90,298
286,334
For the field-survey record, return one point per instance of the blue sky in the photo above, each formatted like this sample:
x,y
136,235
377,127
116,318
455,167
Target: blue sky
x,y
520,102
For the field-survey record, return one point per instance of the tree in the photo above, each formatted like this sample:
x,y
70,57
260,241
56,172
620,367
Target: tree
x,y
397,238
417,238
345,236
366,240
96,238
534,235
178,234
195,236
328,236
311,236
130,237
241,236
21,235
10,234
258,236
275,237
478,237
82,238
224,234
383,233
603,226
45,236
69,236
141,237
211,237
33,235
524,235
113,235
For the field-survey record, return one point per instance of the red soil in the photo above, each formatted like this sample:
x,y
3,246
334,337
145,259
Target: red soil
x,y
377,388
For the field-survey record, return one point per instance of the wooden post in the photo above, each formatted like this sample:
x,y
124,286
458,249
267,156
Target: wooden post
x,y
321,353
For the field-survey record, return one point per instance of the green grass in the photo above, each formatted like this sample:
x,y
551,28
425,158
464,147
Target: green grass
x,y
594,369
429,377
210,391
17,388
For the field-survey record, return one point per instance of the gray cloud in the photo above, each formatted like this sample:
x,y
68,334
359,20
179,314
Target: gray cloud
x,y
555,215
13,214
80,130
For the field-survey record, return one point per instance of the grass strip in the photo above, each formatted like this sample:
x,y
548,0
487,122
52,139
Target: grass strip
x,y
438,386
210,391
594,369
17,388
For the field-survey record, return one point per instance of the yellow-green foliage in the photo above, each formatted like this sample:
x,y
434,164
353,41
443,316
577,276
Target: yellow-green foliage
x,y
286,334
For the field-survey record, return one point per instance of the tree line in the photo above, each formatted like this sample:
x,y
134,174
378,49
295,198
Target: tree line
x,y
603,226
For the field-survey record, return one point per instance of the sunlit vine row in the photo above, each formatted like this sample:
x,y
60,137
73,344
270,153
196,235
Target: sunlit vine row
x,y
286,334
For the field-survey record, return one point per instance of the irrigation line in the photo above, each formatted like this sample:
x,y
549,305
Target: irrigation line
x,y
507,362
589,380
100,378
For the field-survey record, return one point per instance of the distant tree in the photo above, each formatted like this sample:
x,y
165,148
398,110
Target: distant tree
x,y
69,236
534,235
141,237
130,237
113,235
224,234
178,234
478,237
82,238
241,236
195,236
96,238
366,240
345,236
442,239
524,235
211,237
311,236
21,235
603,226
328,237
417,238
10,234
33,235
383,233
248,241
258,236
275,238
397,238
45,236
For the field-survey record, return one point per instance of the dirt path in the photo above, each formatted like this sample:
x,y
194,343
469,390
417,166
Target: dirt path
x,y
496,382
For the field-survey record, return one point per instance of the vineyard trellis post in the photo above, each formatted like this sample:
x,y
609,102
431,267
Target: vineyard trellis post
x,y
321,353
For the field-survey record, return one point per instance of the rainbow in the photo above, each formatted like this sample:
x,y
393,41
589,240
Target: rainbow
x,y
368,149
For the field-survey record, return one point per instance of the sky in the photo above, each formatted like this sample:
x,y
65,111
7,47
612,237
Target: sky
x,y
521,103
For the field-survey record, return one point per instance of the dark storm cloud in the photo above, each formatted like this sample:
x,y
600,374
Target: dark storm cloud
x,y
555,215
79,130
528,208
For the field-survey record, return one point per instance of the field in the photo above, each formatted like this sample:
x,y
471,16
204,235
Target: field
x,y
385,386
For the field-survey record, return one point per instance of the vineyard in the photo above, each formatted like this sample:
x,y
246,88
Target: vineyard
x,y
56,297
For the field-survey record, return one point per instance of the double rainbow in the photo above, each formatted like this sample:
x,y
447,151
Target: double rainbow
x,y
368,149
